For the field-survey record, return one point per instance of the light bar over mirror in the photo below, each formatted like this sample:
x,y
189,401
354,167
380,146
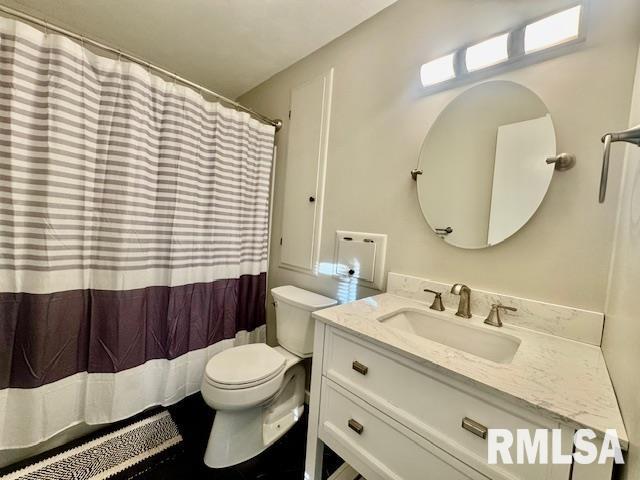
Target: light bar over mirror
x,y
552,30
487,53
438,70
536,40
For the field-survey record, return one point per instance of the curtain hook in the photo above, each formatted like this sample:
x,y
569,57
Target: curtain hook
x,y
120,70
82,53
82,62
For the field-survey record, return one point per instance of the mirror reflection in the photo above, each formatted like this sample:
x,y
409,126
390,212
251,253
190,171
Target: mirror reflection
x,y
484,164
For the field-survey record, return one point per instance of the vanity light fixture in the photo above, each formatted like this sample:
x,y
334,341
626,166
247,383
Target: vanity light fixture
x,y
537,40
487,53
552,30
438,70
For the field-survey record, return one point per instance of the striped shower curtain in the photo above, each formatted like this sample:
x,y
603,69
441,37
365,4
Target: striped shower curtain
x,y
133,235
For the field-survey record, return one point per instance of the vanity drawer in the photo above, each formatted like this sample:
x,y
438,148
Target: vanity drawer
x,y
379,447
433,405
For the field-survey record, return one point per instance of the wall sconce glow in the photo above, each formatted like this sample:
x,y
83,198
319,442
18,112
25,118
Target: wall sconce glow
x,y
438,70
487,53
553,30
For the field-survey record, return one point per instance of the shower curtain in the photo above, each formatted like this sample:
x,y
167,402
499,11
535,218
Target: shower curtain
x,y
133,235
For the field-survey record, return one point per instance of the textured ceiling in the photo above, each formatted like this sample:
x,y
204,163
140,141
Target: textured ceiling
x,y
229,46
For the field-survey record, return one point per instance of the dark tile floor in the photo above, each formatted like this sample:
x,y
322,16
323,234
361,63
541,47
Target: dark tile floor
x,y
283,461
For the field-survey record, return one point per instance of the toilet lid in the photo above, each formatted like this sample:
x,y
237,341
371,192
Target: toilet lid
x,y
245,365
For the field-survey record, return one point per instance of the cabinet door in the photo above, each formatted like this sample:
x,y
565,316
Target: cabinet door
x,y
305,172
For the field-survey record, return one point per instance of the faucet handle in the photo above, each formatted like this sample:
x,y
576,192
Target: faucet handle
x,y
437,300
494,315
499,306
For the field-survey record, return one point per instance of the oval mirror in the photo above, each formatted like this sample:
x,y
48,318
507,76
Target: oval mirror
x,y
483,162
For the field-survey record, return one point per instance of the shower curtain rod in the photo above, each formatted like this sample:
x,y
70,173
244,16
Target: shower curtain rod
x,y
47,26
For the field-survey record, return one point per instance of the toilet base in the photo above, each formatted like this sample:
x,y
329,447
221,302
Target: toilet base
x,y
239,435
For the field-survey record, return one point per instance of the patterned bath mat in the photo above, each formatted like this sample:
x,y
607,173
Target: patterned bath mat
x,y
108,455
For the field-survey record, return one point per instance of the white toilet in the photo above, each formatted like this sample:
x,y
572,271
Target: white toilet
x,y
257,390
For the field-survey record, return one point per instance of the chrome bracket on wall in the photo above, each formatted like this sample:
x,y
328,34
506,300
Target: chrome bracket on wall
x,y
414,174
443,231
630,136
563,161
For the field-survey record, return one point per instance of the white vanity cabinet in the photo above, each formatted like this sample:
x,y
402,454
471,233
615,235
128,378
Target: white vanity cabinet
x,y
391,417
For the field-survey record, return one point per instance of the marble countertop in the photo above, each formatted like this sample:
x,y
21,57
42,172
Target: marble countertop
x,y
565,379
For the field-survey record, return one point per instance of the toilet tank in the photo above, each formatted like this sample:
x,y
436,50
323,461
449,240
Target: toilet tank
x,y
294,325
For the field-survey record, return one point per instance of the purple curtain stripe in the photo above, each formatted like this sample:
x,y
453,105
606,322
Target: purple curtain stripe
x,y
48,337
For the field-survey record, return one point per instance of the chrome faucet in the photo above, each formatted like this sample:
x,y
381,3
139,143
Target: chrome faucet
x,y
464,307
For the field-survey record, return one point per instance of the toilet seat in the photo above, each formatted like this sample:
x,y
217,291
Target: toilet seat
x,y
244,367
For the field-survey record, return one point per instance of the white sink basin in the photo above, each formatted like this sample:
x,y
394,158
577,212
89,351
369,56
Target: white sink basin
x,y
447,329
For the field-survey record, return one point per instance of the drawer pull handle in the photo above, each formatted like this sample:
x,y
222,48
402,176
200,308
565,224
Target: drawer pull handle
x,y
360,368
474,427
356,426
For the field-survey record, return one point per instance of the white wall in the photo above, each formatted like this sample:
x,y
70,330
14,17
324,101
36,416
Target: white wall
x,y
380,117
621,340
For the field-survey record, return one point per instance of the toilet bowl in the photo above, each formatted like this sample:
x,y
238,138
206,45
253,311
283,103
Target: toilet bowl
x,y
256,390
